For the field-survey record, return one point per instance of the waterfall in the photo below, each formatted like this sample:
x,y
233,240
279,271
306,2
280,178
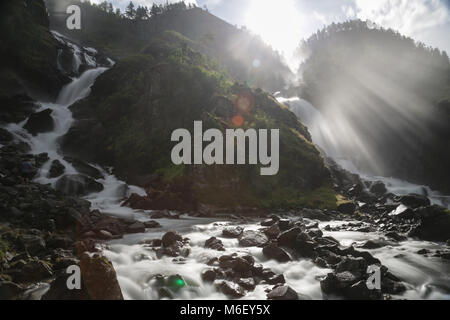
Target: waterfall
x,y
333,145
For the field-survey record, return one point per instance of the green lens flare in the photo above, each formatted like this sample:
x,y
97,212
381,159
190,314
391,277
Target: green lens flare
x,y
180,283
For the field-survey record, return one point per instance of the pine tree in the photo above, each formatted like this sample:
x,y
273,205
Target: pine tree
x,y
130,12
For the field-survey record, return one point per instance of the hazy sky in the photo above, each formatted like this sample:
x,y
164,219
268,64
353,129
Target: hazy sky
x,y
283,23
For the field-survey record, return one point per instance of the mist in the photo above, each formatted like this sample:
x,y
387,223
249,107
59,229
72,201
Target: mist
x,y
382,99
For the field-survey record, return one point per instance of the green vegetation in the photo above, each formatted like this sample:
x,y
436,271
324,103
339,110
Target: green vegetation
x,y
145,97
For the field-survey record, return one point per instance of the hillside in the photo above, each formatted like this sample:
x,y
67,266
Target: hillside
x,y
135,106
235,49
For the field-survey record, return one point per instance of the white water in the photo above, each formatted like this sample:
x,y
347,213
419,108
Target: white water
x,y
134,271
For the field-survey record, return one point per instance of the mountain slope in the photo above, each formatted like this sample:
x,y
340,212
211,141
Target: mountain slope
x,y
235,49
128,120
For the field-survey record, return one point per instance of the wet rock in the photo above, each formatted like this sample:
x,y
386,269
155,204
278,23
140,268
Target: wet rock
x,y
40,122
231,289
160,214
58,290
347,208
276,279
100,278
321,263
423,252
34,244
305,246
165,293
414,200
314,214
268,223
209,275
353,265
252,238
5,136
448,243
287,238
395,236
105,235
355,190
84,168
434,224
78,185
378,188
282,293
152,224
273,231
31,270
360,291
232,232
272,251
137,227
247,283
315,233
170,238
215,244
335,284
391,286
59,241
56,169
10,290
375,244
284,224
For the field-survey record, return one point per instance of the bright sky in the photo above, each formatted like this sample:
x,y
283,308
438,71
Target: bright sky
x,y
283,23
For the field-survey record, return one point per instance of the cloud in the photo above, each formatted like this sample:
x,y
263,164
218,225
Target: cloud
x,y
409,17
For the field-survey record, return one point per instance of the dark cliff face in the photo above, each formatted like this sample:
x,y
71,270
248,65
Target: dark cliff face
x,y
28,51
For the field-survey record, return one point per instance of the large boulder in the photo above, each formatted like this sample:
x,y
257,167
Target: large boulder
x,y
287,238
100,278
56,169
252,238
434,224
231,289
378,188
347,208
272,251
40,122
215,244
78,185
170,238
414,200
84,168
283,293
232,232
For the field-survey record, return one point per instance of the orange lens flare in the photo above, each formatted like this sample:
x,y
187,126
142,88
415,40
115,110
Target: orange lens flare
x,y
238,120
